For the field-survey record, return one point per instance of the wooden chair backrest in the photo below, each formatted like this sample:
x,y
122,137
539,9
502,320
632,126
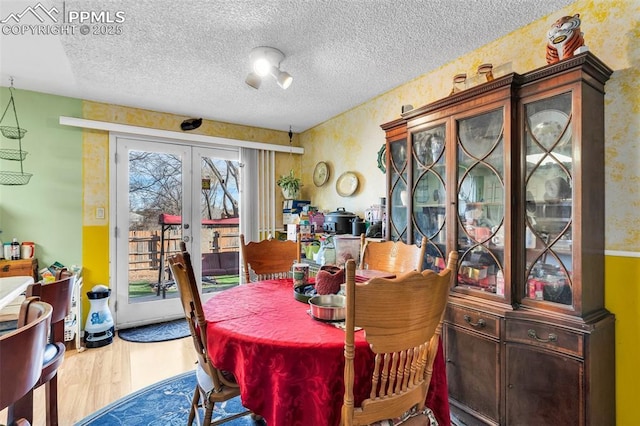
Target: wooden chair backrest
x,y
22,351
268,259
58,295
182,270
392,256
402,321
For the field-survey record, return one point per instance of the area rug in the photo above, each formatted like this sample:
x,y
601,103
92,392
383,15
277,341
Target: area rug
x,y
161,332
165,403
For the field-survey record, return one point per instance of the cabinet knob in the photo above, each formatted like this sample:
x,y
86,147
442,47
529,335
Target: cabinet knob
x,y
552,337
481,323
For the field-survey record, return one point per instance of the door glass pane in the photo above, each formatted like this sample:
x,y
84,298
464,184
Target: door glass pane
x,y
480,230
548,189
155,211
219,235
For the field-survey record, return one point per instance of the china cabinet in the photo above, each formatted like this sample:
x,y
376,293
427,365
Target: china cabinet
x,y
510,174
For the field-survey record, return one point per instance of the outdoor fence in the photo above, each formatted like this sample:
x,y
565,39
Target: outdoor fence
x,y
145,249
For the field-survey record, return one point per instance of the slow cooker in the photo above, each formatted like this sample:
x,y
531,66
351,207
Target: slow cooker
x,y
338,221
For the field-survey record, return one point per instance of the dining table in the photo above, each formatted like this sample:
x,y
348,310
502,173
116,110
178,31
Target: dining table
x,y
290,366
12,287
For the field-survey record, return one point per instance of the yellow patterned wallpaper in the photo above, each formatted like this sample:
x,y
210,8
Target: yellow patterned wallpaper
x,y
611,30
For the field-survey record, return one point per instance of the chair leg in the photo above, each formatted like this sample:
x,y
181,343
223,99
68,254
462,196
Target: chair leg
x,y
208,412
51,397
194,406
22,409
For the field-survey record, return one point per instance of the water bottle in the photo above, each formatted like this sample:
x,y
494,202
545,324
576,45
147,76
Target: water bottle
x,y
15,249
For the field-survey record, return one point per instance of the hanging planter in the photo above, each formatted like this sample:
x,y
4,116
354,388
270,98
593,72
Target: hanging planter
x,y
10,132
290,184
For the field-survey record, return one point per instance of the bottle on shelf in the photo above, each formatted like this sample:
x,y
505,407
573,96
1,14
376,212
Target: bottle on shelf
x,y
15,249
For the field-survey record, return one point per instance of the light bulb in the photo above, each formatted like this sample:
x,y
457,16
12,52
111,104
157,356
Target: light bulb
x,y
284,79
262,67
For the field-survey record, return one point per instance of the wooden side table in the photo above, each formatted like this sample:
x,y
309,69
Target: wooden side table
x,y
12,268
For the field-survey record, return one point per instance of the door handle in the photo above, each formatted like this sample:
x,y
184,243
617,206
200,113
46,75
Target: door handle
x,y
481,323
186,238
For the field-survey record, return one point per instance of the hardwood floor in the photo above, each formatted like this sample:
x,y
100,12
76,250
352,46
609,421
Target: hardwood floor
x,y
93,378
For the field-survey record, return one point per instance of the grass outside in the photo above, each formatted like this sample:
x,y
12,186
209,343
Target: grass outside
x,y
145,288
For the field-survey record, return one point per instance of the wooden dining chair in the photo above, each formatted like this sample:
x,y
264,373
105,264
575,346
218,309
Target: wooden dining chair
x,y
402,321
21,355
392,256
213,385
268,259
58,295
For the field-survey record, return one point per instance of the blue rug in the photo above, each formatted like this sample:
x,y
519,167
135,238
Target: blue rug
x,y
162,404
156,332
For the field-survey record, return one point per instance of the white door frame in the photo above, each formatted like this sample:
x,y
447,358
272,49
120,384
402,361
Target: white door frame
x,y
159,309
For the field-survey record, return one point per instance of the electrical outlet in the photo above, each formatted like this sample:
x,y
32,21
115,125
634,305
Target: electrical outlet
x,y
100,213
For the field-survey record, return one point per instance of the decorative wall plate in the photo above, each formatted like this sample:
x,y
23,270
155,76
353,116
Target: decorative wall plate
x,y
347,184
320,174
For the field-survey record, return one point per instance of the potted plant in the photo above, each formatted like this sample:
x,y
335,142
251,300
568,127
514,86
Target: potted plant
x,y
290,185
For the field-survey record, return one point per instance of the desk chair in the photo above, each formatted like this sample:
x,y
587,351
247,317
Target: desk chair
x,y
213,385
402,321
21,355
392,256
268,259
58,295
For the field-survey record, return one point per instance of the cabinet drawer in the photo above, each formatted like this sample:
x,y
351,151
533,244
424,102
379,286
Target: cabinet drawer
x,y
12,268
547,336
471,319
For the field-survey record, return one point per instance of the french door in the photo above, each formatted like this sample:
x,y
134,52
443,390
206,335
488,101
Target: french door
x,y
167,193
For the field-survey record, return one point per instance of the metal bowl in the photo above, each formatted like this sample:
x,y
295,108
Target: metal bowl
x,y
328,307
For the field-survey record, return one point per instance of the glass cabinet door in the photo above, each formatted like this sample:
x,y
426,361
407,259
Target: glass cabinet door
x,y
548,187
428,193
398,215
481,202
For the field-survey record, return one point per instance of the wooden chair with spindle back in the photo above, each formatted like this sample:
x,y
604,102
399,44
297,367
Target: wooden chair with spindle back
x,y
402,321
213,385
268,259
392,256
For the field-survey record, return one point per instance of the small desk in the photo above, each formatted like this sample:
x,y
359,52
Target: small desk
x,y
290,367
12,287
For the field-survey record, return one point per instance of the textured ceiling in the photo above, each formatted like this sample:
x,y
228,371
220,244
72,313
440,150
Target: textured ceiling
x,y
191,57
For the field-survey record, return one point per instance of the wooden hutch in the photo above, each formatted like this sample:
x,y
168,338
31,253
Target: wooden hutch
x,y
510,174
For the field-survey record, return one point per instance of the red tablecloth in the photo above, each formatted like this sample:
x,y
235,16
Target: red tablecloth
x,y
289,366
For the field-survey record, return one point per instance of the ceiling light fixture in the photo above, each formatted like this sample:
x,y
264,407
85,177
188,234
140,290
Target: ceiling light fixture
x,y
264,61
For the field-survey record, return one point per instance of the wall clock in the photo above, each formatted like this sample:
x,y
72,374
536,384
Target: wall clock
x,y
320,174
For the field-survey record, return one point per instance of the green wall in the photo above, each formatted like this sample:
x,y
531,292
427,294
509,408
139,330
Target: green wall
x,y
48,210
